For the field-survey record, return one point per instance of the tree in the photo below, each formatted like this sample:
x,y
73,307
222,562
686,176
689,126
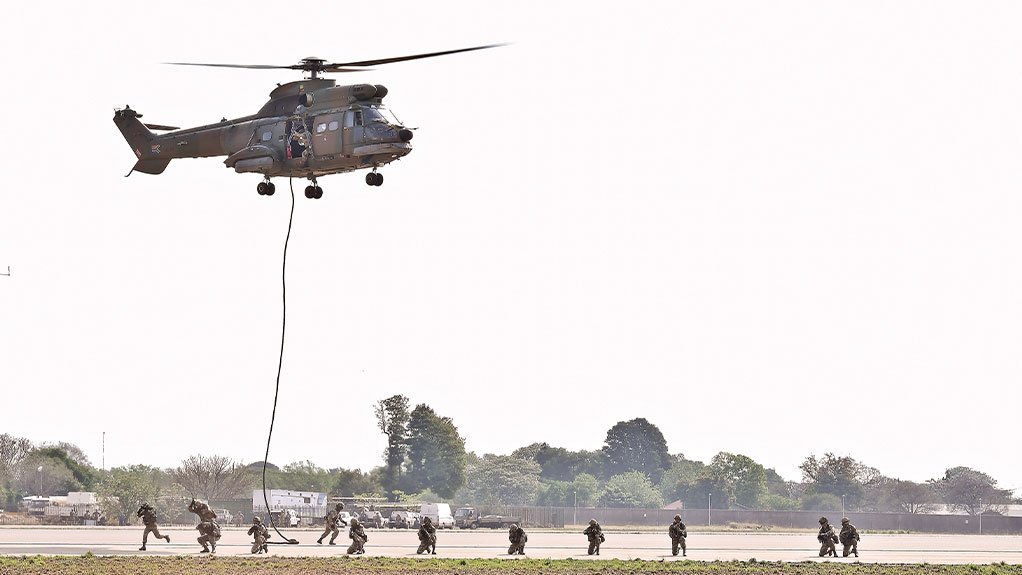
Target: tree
x,y
12,451
680,477
911,497
355,483
303,476
560,464
631,489
838,476
126,488
966,489
585,489
436,453
636,445
213,478
501,480
821,502
392,419
738,476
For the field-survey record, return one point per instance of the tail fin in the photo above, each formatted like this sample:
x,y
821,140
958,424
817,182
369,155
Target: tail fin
x,y
142,142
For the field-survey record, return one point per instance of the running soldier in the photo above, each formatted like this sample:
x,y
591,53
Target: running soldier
x,y
332,523
827,538
596,538
427,537
148,515
516,535
678,533
849,537
358,537
208,528
259,532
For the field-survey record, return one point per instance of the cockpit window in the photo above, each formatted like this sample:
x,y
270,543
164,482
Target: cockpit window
x,y
373,115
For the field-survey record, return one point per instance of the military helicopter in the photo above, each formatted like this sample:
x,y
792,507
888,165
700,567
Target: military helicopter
x,y
309,128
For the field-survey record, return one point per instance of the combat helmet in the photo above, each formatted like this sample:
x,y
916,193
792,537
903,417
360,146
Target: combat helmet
x,y
339,506
257,519
514,526
844,520
354,522
592,522
823,520
677,517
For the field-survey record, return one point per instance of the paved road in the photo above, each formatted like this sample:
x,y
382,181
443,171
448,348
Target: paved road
x,y
556,545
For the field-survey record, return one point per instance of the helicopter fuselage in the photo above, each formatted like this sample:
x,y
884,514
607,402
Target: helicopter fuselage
x,y
307,129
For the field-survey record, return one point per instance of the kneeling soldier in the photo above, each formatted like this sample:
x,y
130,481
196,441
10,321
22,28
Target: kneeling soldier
x,y
208,528
827,538
427,537
259,532
516,535
678,533
849,537
358,537
596,538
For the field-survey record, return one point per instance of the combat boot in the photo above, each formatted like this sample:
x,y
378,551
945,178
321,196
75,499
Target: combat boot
x,y
142,548
167,538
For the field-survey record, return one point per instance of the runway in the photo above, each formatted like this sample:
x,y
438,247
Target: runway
x,y
708,546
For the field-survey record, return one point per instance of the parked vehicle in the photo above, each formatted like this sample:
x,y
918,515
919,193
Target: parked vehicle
x,y
439,514
404,520
285,517
469,518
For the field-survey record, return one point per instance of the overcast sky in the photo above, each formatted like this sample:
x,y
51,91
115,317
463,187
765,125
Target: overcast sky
x,y
771,228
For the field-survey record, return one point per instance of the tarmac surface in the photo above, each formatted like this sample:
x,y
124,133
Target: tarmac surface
x,y
702,546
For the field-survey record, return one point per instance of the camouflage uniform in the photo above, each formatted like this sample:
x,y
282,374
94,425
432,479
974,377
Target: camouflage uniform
x,y
259,532
516,535
596,538
427,537
678,533
358,537
330,524
208,528
827,538
849,537
148,515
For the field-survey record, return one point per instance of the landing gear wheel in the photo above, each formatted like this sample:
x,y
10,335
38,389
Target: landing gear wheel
x,y
319,193
270,188
310,192
374,179
379,180
263,189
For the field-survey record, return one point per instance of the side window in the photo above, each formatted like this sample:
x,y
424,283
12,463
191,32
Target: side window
x,y
358,117
320,128
267,136
333,126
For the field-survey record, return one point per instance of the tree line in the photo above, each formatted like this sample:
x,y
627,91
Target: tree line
x,y
426,460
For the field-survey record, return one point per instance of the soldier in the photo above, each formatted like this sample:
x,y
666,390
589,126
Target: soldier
x,y
332,524
427,537
148,515
208,528
849,538
678,533
516,535
358,537
827,538
596,538
259,532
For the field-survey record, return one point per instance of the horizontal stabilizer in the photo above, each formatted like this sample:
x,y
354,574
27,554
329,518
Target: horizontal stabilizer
x,y
150,166
161,128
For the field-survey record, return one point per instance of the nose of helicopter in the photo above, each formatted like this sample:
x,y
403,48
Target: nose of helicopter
x,y
405,134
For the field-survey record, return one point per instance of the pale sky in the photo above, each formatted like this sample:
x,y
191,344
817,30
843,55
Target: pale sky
x,y
771,228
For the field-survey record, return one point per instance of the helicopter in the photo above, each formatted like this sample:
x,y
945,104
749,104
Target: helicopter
x,y
308,129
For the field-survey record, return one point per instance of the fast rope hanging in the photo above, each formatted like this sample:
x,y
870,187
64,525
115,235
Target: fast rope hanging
x,y
280,364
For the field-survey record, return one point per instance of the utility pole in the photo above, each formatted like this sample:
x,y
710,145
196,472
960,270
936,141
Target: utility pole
x,y
980,515
574,512
708,509
104,451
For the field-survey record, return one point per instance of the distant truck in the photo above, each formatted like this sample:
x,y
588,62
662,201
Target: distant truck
x,y
439,514
469,518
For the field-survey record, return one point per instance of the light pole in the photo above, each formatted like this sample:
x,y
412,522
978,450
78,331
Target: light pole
x,y
40,470
708,509
842,505
980,515
574,509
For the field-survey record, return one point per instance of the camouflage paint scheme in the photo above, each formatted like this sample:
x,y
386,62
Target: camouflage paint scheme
x,y
346,129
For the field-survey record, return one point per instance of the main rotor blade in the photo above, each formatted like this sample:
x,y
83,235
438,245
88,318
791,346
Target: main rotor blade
x,y
331,67
250,66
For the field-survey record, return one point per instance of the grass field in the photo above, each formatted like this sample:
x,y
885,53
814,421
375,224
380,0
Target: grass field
x,y
90,565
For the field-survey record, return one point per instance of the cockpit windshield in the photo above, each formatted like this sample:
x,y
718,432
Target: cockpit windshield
x,y
380,114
